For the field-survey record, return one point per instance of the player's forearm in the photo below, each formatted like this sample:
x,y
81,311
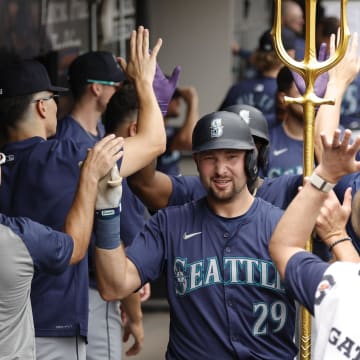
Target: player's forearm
x,y
132,307
111,274
295,226
152,187
150,120
79,221
328,116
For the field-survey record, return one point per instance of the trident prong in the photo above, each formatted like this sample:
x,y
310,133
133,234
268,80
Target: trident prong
x,y
309,69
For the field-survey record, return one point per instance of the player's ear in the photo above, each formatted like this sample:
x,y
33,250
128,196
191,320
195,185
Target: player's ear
x,y
132,128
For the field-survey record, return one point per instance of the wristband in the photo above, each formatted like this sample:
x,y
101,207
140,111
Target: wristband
x,y
321,184
338,242
107,231
107,213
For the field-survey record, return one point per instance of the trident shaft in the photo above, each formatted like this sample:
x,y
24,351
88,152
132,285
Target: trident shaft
x,y
309,69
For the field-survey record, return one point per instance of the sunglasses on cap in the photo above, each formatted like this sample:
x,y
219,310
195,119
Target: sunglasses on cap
x,y
103,82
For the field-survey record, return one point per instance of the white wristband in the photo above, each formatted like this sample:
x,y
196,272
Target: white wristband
x,y
319,183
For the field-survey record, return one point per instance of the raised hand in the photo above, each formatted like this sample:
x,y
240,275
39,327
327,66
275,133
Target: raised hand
x,y
338,156
142,62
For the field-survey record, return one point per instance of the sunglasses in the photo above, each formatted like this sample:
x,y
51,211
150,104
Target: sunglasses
x,y
103,82
56,98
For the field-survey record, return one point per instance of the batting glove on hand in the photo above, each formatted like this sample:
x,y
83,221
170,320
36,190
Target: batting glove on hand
x,y
320,82
109,190
164,88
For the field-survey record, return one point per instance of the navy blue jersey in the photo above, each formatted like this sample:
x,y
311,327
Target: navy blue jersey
x,y
278,191
49,250
40,183
25,246
350,106
168,162
69,128
132,215
285,155
225,294
303,274
353,181
258,92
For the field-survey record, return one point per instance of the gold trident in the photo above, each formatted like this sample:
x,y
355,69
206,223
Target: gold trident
x,y
309,69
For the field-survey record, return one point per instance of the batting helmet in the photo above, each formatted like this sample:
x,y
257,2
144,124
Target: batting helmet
x,y
258,127
226,130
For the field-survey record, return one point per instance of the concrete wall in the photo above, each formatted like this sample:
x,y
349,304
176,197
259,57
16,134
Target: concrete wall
x,y
197,36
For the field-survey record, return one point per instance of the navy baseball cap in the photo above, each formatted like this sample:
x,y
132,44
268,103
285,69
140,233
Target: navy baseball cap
x,y
25,78
95,66
288,39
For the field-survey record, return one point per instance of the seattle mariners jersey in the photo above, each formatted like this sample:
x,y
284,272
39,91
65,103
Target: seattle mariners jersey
x,y
259,92
278,191
353,181
285,155
25,246
225,294
40,183
331,293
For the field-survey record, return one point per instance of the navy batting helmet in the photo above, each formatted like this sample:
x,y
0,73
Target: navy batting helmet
x,y
226,130
258,127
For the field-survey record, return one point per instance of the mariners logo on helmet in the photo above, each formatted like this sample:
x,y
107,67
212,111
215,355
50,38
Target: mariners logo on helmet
x,y
216,128
245,115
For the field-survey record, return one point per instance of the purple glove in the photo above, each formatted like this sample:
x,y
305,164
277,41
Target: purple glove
x,y
320,82
164,87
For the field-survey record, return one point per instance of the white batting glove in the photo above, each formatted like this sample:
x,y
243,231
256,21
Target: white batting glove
x,y
109,190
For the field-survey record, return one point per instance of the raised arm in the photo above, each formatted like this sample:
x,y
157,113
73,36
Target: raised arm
x,y
153,187
182,139
79,221
340,77
297,223
116,276
150,140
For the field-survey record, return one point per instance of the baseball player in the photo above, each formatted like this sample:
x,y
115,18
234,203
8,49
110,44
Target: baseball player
x,y
158,190
94,78
226,300
27,247
260,91
329,292
41,181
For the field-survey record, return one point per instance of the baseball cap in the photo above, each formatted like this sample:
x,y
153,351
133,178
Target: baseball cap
x,y
25,78
288,38
95,66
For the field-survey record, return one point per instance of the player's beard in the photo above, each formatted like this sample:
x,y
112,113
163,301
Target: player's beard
x,y
226,195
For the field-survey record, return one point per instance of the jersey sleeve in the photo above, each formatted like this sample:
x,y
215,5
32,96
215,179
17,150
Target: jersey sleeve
x,y
148,250
50,250
185,189
303,273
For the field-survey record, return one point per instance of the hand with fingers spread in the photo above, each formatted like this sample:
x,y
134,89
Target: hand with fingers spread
x,y
103,156
142,63
341,75
338,156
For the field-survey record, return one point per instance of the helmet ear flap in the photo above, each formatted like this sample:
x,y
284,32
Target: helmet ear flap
x,y
263,157
251,165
